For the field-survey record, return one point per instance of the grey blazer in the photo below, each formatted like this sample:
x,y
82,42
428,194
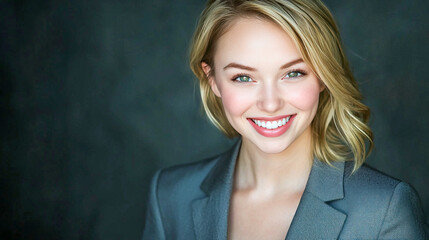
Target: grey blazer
x,y
192,202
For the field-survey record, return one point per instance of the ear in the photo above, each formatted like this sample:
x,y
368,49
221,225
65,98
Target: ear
x,y
206,68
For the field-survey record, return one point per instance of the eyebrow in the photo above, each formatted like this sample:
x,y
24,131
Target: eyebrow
x,y
244,67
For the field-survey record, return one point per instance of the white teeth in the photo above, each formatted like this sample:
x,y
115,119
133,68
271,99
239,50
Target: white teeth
x,y
271,124
274,125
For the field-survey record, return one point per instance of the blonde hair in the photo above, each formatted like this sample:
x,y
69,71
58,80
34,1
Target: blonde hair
x,y
339,129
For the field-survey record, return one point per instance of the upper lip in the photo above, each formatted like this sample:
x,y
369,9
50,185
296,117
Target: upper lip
x,y
271,118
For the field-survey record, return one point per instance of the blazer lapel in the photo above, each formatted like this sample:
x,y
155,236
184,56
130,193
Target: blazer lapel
x,y
315,218
210,214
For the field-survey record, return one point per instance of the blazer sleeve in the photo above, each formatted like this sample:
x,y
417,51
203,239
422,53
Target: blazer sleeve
x,y
153,225
404,218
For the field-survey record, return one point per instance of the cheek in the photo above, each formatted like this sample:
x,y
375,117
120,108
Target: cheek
x,y
305,96
235,101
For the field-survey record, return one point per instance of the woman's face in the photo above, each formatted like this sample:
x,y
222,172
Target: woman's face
x,y
270,95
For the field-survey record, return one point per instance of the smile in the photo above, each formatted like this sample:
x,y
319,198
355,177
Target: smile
x,y
271,124
272,127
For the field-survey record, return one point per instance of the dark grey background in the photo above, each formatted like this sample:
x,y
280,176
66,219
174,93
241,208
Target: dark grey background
x,y
97,95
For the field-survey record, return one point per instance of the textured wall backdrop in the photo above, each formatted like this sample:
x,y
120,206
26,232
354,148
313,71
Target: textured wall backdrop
x,y
97,95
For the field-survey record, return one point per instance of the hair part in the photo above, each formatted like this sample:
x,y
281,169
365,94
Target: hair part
x,y
339,129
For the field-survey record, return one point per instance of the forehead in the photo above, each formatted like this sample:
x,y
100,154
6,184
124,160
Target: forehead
x,y
253,41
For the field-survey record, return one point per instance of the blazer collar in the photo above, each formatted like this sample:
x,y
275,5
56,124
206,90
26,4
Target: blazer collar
x,y
314,218
221,176
326,182
210,213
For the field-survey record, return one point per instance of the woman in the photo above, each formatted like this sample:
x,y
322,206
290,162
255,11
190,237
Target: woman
x,y
273,73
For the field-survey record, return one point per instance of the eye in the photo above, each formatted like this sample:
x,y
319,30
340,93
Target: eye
x,y
242,78
294,74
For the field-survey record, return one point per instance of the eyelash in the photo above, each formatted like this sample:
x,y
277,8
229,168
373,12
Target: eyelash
x,y
303,73
234,78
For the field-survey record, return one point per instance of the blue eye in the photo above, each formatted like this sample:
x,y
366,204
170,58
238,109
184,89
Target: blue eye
x,y
242,78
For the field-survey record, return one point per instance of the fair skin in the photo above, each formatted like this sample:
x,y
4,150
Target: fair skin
x,y
261,77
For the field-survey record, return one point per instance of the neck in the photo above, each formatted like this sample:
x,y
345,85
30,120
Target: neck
x,y
272,173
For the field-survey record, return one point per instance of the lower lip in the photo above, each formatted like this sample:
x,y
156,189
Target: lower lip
x,y
272,132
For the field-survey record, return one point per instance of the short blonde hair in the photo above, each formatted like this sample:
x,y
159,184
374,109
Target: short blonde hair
x,y
339,129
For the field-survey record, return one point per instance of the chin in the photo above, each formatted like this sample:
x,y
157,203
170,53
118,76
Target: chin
x,y
270,147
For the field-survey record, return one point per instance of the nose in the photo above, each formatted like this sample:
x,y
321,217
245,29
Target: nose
x,y
270,98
